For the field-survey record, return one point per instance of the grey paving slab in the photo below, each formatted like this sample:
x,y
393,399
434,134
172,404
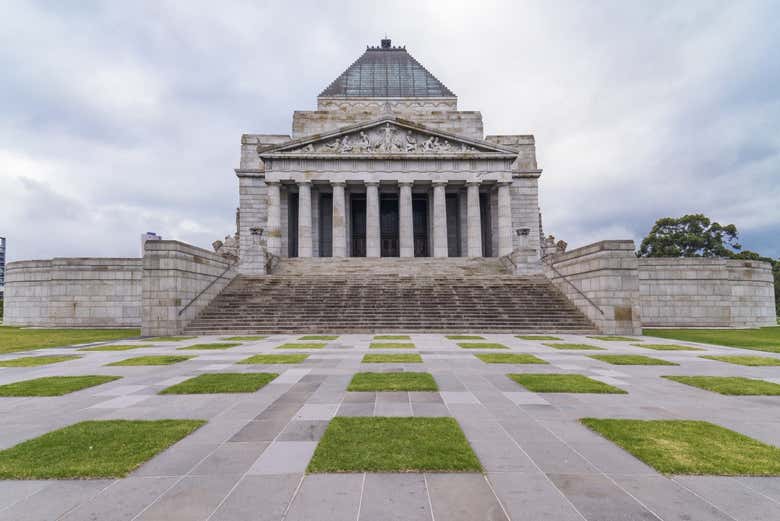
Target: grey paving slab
x,y
284,457
193,497
525,398
463,497
459,397
392,497
14,491
769,486
356,409
230,458
596,497
393,409
53,500
261,430
177,460
556,457
303,431
121,402
327,497
429,409
258,498
317,411
728,495
531,496
670,501
121,501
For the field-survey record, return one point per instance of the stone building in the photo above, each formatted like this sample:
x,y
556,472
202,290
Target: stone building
x,y
387,166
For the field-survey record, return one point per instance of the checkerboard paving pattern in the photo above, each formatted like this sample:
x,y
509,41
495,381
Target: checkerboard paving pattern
x,y
249,460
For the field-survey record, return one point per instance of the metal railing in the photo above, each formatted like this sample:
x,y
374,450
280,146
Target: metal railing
x,y
570,283
204,290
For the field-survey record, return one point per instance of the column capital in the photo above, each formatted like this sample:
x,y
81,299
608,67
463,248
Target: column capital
x,y
273,183
338,183
371,183
439,183
303,183
405,183
504,183
473,183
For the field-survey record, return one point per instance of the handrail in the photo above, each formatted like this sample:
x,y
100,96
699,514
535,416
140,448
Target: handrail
x,y
204,290
578,290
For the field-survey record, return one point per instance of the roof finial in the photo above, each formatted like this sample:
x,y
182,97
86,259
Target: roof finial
x,y
386,42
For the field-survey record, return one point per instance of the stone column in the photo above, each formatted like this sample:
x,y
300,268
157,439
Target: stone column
x,y
406,223
504,219
474,220
439,220
339,220
304,219
372,219
274,226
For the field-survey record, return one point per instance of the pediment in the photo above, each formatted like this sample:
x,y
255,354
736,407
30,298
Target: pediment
x,y
387,137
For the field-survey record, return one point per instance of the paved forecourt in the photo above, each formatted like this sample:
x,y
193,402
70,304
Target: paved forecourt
x,y
249,461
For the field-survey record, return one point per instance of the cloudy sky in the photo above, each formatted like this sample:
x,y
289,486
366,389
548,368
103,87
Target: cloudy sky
x,y
125,117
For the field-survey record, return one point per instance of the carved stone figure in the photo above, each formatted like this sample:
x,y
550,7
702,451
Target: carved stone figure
x,y
411,142
228,249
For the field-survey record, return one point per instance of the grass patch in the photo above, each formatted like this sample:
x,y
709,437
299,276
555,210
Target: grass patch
x,y
730,385
274,359
575,346
763,339
465,337
631,360
396,381
118,347
54,385
390,345
753,361
327,338
392,337
169,338
215,345
14,339
563,383
152,360
537,337
667,347
302,345
92,449
614,338
390,359
381,444
213,383
245,338
481,345
510,358
690,447
32,361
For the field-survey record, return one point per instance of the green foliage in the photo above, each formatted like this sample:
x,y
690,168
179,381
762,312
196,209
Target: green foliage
x,y
54,385
752,361
152,360
730,385
391,345
689,236
215,345
13,339
32,361
396,381
214,383
510,358
481,345
563,383
392,359
763,339
274,359
574,346
631,360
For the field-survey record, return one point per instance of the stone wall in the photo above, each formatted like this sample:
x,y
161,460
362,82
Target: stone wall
x,y
699,292
606,273
253,201
74,292
525,212
173,274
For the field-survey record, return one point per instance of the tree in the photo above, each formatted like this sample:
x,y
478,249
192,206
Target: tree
x,y
690,236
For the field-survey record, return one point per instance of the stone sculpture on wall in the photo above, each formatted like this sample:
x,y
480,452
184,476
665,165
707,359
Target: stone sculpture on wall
x,y
228,249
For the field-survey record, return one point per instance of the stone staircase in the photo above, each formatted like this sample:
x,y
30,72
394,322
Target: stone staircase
x,y
354,295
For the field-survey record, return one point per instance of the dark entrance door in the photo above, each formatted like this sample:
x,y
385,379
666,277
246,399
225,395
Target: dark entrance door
x,y
484,217
326,225
420,220
388,226
292,225
453,226
358,227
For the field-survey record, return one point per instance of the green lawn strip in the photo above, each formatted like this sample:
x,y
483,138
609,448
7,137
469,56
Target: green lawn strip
x,y
537,337
631,360
574,346
54,385
274,359
152,360
169,338
395,381
32,361
730,385
391,345
118,347
213,383
327,338
465,337
14,339
245,338
690,447
215,345
392,337
382,444
563,383
753,361
510,358
392,358
93,449
667,347
481,345
302,345
763,339
611,338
